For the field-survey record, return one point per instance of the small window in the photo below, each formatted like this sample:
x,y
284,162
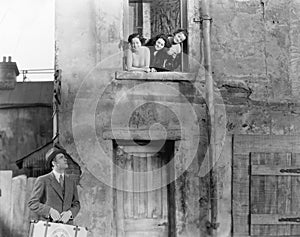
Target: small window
x,y
152,17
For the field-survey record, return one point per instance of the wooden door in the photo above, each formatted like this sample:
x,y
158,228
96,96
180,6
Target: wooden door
x,y
140,210
266,186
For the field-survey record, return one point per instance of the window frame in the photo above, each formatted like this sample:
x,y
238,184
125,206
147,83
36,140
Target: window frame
x,y
184,67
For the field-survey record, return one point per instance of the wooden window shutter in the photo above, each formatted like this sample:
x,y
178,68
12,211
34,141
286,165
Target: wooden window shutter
x,y
266,185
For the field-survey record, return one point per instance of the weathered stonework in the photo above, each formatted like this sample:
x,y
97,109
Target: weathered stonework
x,y
256,70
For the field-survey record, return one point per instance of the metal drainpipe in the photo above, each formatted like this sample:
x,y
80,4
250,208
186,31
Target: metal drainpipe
x,y
206,24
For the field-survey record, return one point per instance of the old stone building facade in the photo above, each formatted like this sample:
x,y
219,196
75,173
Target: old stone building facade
x,y
113,122
25,117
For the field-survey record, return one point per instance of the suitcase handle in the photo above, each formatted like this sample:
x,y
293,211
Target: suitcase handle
x,y
49,219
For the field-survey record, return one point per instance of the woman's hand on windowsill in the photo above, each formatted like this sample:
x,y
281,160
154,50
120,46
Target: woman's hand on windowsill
x,y
139,69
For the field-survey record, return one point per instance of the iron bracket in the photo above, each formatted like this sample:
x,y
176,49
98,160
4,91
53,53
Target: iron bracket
x,y
291,219
201,19
297,171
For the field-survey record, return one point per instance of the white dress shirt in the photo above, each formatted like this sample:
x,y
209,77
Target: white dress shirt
x,y
57,175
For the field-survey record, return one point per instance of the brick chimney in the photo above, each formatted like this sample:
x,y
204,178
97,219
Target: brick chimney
x,y
8,74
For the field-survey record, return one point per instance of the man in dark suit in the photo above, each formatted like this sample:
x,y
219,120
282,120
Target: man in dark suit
x,y
54,196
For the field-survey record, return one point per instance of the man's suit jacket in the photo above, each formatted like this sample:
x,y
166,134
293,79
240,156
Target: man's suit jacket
x,y
48,193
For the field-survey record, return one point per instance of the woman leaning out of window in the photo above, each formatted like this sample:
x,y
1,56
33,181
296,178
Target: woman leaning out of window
x,y
157,54
138,56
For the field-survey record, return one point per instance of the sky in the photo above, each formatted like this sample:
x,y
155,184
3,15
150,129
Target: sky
x,y
27,35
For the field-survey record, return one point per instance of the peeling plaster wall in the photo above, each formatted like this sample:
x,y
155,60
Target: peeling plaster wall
x,y
87,34
145,106
255,58
88,52
256,42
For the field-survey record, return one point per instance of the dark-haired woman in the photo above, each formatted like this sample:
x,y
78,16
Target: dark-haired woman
x,y
178,36
157,54
173,59
138,56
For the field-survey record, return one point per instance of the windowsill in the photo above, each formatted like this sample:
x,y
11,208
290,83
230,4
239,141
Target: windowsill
x,y
155,76
141,134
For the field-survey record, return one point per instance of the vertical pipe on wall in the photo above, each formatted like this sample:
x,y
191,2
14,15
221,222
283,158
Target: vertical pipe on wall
x,y
206,24
125,30
184,25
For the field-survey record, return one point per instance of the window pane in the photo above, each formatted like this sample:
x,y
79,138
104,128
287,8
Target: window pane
x,y
151,17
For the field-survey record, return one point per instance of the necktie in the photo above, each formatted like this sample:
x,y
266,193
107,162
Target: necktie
x,y
61,181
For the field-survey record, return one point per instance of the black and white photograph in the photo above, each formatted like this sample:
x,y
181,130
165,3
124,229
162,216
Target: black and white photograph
x,y
149,118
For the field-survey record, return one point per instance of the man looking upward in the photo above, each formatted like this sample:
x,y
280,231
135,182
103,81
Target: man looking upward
x,y
54,196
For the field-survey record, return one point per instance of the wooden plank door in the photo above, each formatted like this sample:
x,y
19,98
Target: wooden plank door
x,y
142,206
266,186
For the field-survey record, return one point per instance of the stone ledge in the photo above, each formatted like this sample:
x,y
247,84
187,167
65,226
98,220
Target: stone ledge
x,y
140,134
155,76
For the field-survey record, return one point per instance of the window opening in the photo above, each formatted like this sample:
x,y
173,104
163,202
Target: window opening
x,y
152,17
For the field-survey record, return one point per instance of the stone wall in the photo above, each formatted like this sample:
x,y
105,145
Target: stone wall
x,y
256,67
255,42
86,33
255,58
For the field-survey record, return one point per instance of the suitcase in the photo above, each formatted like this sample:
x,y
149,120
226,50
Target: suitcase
x,y
50,229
